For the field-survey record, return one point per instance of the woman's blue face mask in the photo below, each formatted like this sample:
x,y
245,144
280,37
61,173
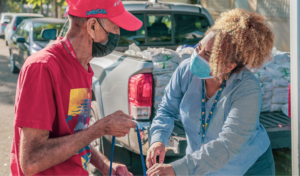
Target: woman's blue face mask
x,y
199,66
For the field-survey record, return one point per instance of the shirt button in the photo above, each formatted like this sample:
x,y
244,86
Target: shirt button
x,y
199,133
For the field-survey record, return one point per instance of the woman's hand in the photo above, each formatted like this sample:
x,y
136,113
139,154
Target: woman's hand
x,y
161,170
157,148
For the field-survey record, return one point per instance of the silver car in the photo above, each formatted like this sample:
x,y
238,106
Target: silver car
x,y
5,19
16,19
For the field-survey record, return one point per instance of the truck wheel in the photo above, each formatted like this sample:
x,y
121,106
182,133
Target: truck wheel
x,y
13,67
98,143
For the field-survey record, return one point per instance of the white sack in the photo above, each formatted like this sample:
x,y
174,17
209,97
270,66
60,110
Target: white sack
x,y
266,86
162,80
276,107
130,52
263,75
159,91
267,94
134,47
281,90
281,57
279,70
164,67
280,82
285,109
280,99
266,105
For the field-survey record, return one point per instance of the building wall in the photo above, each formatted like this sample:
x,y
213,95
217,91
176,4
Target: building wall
x,y
276,13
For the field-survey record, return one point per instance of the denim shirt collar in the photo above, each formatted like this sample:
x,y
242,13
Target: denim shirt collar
x,y
235,77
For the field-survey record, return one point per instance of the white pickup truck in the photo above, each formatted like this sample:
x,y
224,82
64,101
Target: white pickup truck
x,y
124,82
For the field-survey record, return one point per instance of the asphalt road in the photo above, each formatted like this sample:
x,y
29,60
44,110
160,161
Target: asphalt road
x,y
8,82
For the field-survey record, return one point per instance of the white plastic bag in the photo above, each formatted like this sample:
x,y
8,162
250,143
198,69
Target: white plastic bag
x,y
280,99
162,80
134,47
157,101
263,76
266,86
276,107
267,94
280,82
281,90
285,109
186,53
266,105
159,91
281,57
164,67
130,52
279,70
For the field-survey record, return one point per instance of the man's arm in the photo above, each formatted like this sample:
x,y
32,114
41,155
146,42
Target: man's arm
x,y
39,152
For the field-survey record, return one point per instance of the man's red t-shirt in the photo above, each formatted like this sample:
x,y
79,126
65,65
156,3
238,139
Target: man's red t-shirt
x,y
53,93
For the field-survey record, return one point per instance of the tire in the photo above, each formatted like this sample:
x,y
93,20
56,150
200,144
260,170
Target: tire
x,y
13,67
98,143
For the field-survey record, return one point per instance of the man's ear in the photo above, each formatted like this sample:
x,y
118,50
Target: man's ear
x,y
91,27
232,66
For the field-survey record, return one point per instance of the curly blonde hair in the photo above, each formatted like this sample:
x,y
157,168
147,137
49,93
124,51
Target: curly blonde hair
x,y
242,38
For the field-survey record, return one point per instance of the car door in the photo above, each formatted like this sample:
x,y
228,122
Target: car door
x,y
25,47
17,46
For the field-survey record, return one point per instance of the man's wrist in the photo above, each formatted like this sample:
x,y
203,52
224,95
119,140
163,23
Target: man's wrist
x,y
97,129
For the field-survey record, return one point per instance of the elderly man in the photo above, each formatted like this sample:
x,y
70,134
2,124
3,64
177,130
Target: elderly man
x,y
53,97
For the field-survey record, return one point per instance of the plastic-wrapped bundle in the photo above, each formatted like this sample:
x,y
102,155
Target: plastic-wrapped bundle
x,y
263,76
280,82
266,86
285,109
267,94
130,52
164,67
159,91
280,99
157,101
281,90
276,107
281,57
266,105
162,80
279,70
186,53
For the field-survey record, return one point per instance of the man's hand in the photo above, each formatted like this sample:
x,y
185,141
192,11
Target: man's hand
x,y
161,170
117,169
117,124
156,148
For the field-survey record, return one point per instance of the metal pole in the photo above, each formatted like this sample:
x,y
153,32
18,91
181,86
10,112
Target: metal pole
x,y
295,80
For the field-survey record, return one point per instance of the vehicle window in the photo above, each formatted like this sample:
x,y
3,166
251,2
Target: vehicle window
x,y
129,37
65,29
26,31
189,29
159,28
8,17
19,19
38,27
20,30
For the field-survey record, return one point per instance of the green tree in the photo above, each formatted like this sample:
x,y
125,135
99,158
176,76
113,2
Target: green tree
x,y
13,6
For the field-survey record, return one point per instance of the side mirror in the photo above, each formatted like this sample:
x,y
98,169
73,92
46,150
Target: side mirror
x,y
19,39
49,34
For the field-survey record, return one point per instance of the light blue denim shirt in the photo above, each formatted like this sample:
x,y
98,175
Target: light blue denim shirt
x,y
235,139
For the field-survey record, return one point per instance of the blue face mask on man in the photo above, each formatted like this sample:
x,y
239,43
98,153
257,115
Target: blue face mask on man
x,y
199,66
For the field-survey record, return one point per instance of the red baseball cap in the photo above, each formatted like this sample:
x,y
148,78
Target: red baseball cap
x,y
111,9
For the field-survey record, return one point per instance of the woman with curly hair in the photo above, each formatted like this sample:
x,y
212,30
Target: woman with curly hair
x,y
218,101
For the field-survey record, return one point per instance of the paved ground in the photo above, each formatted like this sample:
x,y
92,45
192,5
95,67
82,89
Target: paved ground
x,y
7,100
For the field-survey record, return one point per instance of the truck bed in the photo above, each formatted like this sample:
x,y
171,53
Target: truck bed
x,y
277,125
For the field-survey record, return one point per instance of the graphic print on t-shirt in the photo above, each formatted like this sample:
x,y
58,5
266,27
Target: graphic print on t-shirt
x,y
78,118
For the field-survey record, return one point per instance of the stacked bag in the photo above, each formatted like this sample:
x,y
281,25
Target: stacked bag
x,y
165,62
274,79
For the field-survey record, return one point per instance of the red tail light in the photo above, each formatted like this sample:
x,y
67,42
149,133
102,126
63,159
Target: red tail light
x,y
3,24
14,28
140,95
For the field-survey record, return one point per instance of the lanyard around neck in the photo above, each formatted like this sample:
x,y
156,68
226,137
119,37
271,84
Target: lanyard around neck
x,y
203,104
70,48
